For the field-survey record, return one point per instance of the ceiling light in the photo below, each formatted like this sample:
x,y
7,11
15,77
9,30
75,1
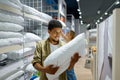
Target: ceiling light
x,y
80,12
77,0
98,12
106,13
101,18
117,2
81,22
78,9
80,17
88,25
98,21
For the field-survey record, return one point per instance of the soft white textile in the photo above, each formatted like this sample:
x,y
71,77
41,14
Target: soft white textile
x,y
15,75
110,35
11,18
100,47
10,41
17,2
28,37
19,53
5,26
11,4
62,56
30,68
3,57
30,10
4,35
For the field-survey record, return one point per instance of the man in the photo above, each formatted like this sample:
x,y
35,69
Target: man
x,y
45,47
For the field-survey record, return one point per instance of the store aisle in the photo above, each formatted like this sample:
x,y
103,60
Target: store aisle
x,y
81,72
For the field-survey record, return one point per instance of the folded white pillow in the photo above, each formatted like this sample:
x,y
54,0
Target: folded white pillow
x,y
62,56
4,35
10,41
3,57
18,54
5,26
46,16
17,2
28,37
11,4
15,75
33,11
11,18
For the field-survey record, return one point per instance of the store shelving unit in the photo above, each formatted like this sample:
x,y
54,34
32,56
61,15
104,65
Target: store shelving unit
x,y
14,66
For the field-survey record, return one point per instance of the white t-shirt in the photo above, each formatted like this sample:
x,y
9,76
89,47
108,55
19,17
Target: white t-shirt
x,y
53,48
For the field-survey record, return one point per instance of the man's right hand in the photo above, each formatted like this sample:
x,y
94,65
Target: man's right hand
x,y
50,69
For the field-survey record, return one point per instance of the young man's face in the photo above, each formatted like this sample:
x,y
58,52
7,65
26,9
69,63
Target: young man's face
x,y
55,34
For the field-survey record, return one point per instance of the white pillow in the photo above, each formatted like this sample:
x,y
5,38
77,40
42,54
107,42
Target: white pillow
x,y
4,35
10,41
5,26
3,57
62,56
33,11
30,10
8,3
11,19
15,75
28,37
18,54
45,16
17,2
30,68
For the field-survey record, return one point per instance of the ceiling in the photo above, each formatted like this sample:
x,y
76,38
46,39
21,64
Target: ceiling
x,y
89,9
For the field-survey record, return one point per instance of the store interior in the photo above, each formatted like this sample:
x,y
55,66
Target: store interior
x,y
25,22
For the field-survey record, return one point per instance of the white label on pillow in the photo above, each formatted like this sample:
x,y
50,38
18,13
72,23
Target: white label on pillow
x,y
62,56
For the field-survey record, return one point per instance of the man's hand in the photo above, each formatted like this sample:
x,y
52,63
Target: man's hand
x,y
74,59
50,69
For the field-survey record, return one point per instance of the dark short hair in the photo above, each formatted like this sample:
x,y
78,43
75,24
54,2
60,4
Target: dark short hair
x,y
54,24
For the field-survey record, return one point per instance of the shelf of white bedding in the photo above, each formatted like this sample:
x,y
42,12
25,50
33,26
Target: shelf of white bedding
x,y
9,48
10,9
16,11
12,67
35,18
29,44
